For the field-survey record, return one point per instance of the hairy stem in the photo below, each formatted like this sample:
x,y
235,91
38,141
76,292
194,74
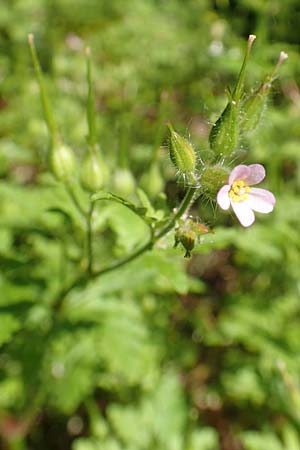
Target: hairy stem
x,y
183,207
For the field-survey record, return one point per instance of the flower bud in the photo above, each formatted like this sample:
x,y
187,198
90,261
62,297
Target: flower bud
x,y
94,172
62,162
124,182
182,154
212,178
254,106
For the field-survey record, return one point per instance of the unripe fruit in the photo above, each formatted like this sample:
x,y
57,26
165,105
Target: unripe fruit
x,y
188,234
62,162
254,106
152,181
93,173
124,182
224,134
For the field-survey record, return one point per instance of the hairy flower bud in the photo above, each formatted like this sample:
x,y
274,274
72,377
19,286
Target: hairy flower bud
x,y
182,154
62,162
93,174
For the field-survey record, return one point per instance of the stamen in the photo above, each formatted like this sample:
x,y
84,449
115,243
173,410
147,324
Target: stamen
x,y
238,191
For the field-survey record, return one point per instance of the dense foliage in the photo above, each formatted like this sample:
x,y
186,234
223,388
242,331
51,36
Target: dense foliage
x,y
163,353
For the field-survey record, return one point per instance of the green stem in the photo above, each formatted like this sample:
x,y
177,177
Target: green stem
x,y
184,206
116,264
43,92
89,239
83,278
75,200
92,137
239,86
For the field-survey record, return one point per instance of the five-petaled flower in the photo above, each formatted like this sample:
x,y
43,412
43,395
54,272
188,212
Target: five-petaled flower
x,y
244,198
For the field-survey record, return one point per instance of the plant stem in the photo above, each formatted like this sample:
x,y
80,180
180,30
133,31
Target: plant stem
x,y
184,206
43,92
75,200
89,239
84,278
121,262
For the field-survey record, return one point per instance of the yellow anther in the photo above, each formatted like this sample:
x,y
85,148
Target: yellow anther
x,y
238,191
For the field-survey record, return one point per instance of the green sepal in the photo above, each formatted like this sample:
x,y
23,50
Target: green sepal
x,y
212,178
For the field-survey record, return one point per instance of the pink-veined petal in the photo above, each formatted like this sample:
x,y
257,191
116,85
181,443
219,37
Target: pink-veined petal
x,y
256,175
261,200
244,213
240,172
223,197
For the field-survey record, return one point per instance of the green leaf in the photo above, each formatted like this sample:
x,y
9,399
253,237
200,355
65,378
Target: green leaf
x,y
9,325
160,418
100,196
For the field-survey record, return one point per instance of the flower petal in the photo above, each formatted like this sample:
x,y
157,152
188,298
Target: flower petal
x,y
240,172
256,175
223,197
261,200
244,213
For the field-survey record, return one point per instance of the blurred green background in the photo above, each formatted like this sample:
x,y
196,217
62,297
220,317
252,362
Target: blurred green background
x,y
166,353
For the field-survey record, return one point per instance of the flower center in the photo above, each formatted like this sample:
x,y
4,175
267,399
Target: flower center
x,y
238,191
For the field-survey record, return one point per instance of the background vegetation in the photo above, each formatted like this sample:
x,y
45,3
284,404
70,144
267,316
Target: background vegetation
x,y
165,353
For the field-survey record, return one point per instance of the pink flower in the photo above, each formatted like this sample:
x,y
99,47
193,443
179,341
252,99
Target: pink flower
x,y
244,198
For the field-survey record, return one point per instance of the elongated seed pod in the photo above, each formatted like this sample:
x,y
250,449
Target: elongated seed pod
x,y
253,107
224,134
